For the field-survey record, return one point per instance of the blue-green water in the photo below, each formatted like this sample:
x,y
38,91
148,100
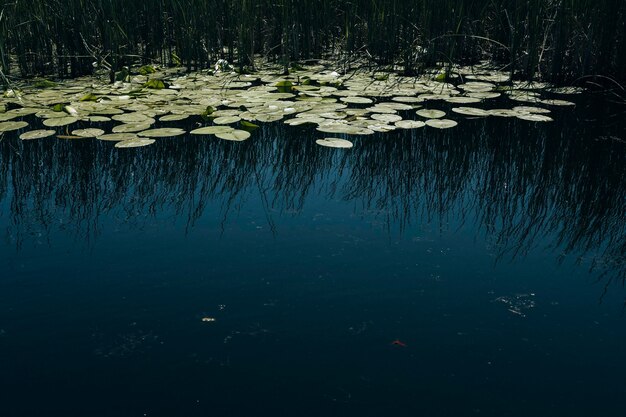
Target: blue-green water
x,y
495,252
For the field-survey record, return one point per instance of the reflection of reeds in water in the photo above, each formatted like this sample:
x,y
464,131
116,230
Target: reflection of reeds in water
x,y
521,182
560,40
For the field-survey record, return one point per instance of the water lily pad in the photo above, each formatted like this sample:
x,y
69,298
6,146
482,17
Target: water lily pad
x,y
471,111
268,117
533,117
98,119
235,135
134,143
383,128
503,112
408,99
117,137
409,124
226,120
531,109
387,118
356,100
130,127
88,133
554,102
462,100
37,134
134,117
441,123
163,132
10,126
60,121
344,128
173,117
430,113
334,143
211,130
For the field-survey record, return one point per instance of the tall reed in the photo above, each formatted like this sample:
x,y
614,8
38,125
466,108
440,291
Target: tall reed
x,y
558,40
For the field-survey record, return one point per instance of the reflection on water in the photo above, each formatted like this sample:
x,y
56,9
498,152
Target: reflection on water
x,y
181,278
521,183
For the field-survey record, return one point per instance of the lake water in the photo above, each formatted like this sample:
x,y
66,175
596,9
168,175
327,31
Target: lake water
x,y
474,271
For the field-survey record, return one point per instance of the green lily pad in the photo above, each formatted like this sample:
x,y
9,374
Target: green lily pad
x,y
268,117
441,123
10,126
531,109
430,113
235,135
211,130
130,127
503,112
173,117
163,132
88,133
37,134
117,137
409,124
134,117
533,117
356,100
134,143
60,121
387,118
226,120
334,143
471,111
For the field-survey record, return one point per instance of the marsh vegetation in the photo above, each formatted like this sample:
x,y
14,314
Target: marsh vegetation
x,y
556,40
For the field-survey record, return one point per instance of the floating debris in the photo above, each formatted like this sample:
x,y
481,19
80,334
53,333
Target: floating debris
x,y
518,304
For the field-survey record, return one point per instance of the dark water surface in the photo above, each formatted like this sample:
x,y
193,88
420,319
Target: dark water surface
x,y
494,251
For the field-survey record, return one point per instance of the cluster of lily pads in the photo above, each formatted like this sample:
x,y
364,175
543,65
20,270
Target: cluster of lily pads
x,y
229,105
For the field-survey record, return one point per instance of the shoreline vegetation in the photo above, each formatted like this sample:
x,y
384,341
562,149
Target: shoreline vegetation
x,y
560,41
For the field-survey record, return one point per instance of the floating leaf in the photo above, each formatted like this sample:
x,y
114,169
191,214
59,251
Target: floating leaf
x,y
130,127
88,133
531,109
387,118
430,113
268,117
554,102
441,123
60,121
226,120
134,117
211,130
471,111
334,143
235,135
37,134
99,119
356,100
163,132
134,143
173,117
409,124
503,112
116,137
535,117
